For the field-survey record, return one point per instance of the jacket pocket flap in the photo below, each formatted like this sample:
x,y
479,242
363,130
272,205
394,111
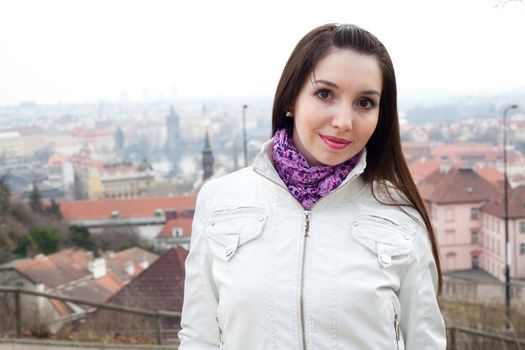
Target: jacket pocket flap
x,y
382,235
228,229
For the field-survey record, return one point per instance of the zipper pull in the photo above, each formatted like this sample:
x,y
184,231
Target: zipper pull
x,y
396,326
307,223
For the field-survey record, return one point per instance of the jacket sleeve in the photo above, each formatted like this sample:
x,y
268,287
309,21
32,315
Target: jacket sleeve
x,y
422,323
199,329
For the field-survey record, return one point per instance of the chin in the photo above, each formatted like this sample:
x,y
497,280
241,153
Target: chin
x,y
331,161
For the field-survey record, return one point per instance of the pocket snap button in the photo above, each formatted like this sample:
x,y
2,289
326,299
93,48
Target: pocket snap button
x,y
228,252
385,259
355,223
212,223
261,218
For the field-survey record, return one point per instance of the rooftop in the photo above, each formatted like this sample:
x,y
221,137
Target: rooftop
x,y
184,223
458,185
516,204
126,208
159,287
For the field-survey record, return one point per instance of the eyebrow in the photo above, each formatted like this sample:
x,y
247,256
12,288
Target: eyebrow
x,y
334,85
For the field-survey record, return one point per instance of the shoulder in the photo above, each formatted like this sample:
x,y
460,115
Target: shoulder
x,y
231,190
225,182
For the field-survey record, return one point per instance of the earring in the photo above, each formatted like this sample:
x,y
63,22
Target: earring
x,y
289,114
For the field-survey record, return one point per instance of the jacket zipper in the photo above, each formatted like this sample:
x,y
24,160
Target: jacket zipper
x,y
397,327
307,216
221,340
307,220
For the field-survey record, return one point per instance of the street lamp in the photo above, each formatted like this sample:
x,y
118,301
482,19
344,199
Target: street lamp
x,y
506,214
244,134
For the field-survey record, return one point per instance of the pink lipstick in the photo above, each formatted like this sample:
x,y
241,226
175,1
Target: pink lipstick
x,y
333,142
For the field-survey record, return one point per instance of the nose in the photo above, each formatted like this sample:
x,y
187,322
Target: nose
x,y
342,118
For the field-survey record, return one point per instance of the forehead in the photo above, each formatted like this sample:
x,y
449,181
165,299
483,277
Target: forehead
x,y
348,68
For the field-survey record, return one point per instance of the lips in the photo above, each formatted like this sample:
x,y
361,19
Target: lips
x,y
334,142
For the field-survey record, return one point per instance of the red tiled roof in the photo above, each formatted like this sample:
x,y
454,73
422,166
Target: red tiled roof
x,y
466,151
117,262
491,174
98,290
55,160
56,269
457,186
516,204
159,287
61,307
422,168
127,208
184,223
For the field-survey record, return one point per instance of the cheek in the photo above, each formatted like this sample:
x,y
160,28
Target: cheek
x,y
367,128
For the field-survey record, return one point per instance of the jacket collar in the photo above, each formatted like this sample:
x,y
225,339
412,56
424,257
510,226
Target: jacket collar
x,y
263,165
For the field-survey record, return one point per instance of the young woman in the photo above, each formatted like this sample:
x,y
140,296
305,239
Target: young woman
x,y
324,243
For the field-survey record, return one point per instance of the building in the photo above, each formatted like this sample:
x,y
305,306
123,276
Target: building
x,y
147,215
122,179
159,287
100,140
34,139
493,228
95,179
207,158
75,273
60,174
11,145
176,232
173,145
454,198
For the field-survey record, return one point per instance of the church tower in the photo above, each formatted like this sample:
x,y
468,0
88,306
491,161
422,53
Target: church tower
x,y
173,145
207,158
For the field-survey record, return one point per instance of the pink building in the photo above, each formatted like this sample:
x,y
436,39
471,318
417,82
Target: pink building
x,y
493,228
454,198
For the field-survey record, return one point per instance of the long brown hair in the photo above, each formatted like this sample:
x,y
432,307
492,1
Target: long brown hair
x,y
383,167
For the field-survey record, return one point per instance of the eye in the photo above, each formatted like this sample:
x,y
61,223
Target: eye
x,y
324,94
366,103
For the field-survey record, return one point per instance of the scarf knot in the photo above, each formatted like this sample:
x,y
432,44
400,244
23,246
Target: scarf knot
x,y
307,184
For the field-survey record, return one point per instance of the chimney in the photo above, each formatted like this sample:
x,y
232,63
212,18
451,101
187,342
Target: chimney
x,y
144,263
445,165
129,268
98,268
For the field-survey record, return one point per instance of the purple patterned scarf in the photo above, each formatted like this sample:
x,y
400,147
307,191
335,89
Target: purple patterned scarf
x,y
307,184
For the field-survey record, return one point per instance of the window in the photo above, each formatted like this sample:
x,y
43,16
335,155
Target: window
x,y
497,248
450,261
522,227
449,214
522,249
450,236
474,237
176,232
474,213
475,262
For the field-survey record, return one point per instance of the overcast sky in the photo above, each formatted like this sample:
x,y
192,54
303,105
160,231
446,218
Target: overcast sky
x,y
74,51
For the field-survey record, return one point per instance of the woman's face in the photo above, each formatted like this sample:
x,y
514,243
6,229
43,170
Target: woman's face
x,y
337,108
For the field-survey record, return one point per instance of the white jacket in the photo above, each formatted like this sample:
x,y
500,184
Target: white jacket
x,y
264,273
